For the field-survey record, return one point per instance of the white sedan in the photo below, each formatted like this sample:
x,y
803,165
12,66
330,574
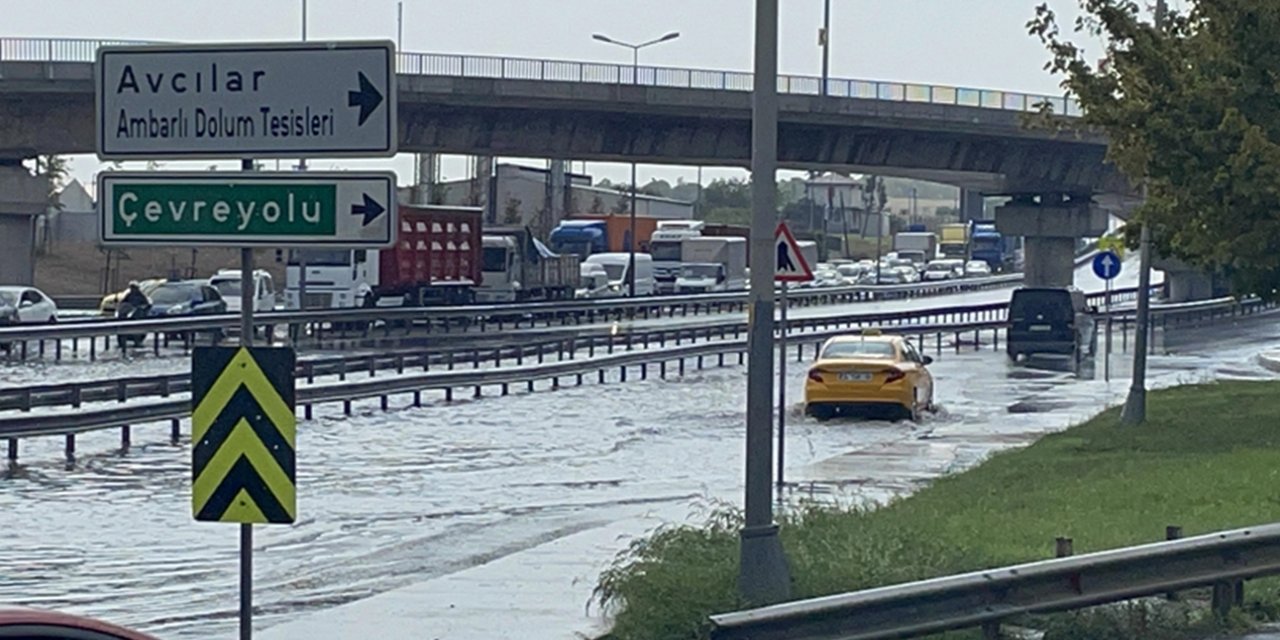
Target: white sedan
x,y
977,269
26,305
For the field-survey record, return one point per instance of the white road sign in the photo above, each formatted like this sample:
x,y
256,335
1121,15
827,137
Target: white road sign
x,y
314,99
790,265
281,209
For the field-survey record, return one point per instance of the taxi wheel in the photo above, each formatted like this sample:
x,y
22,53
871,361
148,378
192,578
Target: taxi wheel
x,y
913,412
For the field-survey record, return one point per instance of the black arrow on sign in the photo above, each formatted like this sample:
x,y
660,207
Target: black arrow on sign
x,y
370,209
367,98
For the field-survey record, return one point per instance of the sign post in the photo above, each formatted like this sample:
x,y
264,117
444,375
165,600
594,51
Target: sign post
x,y
790,266
1106,265
241,101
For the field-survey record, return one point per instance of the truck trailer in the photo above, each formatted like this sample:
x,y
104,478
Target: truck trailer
x,y
666,245
990,246
585,235
516,266
910,242
954,242
435,260
712,265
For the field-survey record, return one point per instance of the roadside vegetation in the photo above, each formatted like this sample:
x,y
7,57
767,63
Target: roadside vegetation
x,y
1208,458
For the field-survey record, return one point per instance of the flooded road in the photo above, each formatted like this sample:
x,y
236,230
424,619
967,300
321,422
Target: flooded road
x,y
387,499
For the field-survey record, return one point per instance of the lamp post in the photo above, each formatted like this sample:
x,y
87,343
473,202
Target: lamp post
x,y
635,79
1135,405
825,40
763,574
302,166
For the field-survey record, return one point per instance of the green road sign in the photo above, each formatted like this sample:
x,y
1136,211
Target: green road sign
x,y
344,209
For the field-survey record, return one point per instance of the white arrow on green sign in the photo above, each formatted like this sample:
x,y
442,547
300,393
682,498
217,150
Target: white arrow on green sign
x,y
339,209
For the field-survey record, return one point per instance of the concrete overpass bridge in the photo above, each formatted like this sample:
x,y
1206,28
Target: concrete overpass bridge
x,y
977,139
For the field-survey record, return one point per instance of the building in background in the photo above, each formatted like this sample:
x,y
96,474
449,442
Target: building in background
x,y
529,197
73,221
839,207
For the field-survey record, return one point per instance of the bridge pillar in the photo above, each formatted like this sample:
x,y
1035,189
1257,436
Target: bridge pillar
x,y
22,198
1185,283
1050,225
971,205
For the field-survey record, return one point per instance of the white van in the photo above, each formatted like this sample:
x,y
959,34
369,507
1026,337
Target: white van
x,y
615,265
594,282
227,282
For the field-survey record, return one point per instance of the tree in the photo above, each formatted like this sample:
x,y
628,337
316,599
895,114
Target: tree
x,y
729,215
511,212
597,205
54,169
623,203
734,193
1192,112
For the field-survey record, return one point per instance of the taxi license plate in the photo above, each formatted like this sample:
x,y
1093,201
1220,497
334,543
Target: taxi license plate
x,y
855,376
1041,327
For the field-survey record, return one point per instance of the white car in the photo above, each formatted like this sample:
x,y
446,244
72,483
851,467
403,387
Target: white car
x,y
945,269
26,305
977,269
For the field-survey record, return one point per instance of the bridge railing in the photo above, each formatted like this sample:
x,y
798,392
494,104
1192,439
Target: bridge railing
x,y
469,66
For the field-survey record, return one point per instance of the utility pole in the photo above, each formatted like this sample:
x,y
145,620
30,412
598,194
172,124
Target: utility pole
x,y
1135,406
300,253
764,577
825,41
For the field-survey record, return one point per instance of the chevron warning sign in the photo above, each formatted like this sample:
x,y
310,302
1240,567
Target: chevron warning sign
x,y
243,435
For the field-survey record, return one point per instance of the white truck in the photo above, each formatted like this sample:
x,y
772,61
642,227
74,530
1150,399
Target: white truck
x,y
921,247
516,267
712,264
666,247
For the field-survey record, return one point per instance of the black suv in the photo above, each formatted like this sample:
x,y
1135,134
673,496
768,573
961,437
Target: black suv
x,y
1047,320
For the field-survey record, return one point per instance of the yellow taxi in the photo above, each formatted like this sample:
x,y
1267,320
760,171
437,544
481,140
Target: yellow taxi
x,y
868,371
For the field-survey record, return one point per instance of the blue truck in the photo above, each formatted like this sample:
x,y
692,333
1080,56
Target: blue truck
x,y
990,246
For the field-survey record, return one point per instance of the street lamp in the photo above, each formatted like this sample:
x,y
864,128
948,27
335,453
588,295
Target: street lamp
x,y
635,79
824,40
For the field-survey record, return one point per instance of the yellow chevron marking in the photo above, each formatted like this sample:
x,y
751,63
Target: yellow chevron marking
x,y
243,510
244,442
242,369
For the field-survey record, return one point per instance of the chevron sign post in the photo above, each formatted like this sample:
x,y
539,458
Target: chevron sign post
x,y
243,430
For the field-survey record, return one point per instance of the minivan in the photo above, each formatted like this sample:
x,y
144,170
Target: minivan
x,y
1050,320
615,264
227,283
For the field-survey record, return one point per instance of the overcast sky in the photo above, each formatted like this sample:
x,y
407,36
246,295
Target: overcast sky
x,y
971,43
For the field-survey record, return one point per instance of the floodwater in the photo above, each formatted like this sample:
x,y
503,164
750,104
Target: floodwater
x,y
387,499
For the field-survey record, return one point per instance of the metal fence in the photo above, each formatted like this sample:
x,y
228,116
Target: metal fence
x,y
468,66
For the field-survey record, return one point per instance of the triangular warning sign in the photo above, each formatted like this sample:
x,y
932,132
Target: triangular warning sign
x,y
789,265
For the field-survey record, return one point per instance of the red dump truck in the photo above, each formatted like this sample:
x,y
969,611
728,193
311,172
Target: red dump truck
x,y
436,260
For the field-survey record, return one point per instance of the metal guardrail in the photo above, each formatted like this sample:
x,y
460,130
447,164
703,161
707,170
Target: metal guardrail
x,y
807,331
75,393
501,316
68,423
469,66
992,595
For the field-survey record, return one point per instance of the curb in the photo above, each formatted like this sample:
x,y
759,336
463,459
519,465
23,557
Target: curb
x,y
1270,360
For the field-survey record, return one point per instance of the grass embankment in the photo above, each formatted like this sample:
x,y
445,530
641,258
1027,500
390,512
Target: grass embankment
x,y
1208,458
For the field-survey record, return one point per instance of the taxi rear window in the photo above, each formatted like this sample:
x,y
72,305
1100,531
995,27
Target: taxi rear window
x,y
859,349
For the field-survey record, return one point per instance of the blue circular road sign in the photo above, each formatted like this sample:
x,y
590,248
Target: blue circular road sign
x,y
1106,265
